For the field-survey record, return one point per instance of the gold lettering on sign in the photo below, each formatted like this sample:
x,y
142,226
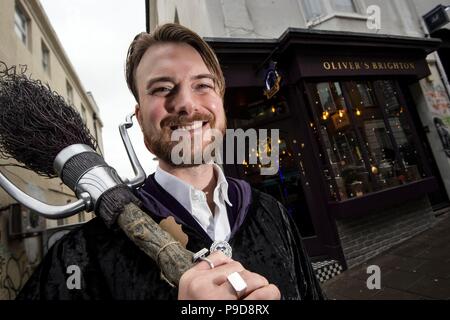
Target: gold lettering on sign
x,y
367,65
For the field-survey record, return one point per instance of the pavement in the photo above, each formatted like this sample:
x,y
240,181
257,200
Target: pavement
x,y
417,269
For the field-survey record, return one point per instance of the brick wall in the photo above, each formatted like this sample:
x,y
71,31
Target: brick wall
x,y
365,237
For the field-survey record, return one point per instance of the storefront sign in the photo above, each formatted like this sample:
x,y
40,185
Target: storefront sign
x,y
366,65
342,66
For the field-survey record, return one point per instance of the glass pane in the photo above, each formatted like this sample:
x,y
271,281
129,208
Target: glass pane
x,y
340,142
312,8
46,60
247,108
402,131
370,122
20,25
343,5
285,185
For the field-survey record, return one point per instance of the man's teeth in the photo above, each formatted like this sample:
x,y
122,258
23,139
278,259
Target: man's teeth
x,y
194,125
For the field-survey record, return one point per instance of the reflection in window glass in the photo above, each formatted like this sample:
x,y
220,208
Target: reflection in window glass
x,y
401,131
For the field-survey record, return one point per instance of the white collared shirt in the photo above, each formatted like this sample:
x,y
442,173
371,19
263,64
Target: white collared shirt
x,y
194,201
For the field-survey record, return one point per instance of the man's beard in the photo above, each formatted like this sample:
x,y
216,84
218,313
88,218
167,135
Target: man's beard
x,y
161,145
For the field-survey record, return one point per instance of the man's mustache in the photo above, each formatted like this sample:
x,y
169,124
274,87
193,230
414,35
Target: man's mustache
x,y
172,121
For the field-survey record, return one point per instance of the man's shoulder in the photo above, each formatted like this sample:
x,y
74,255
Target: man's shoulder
x,y
269,208
265,199
94,232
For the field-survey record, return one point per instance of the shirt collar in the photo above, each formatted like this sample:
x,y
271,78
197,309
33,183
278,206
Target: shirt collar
x,y
181,190
222,183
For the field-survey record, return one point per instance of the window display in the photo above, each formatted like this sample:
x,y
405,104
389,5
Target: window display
x,y
365,136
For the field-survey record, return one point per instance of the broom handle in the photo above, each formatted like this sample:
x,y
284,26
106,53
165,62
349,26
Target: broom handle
x,y
168,253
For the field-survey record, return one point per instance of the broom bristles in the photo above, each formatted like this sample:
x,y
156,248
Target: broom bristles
x,y
36,123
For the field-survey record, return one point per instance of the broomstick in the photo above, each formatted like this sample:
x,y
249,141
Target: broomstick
x,y
44,134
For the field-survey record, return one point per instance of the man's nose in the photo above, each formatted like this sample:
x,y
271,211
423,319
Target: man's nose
x,y
182,102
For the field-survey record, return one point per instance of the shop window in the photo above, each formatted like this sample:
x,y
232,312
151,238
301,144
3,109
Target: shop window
x,y
366,142
402,133
341,155
250,113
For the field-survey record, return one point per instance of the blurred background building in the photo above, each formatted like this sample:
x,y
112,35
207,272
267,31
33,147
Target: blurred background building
x,y
27,38
359,91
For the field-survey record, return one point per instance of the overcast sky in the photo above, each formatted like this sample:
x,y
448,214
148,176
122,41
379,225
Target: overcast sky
x,y
96,35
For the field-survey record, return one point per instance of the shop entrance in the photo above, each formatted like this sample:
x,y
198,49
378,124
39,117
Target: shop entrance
x,y
247,108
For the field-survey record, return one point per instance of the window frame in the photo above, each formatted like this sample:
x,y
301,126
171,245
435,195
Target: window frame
x,y
22,29
83,113
69,92
45,53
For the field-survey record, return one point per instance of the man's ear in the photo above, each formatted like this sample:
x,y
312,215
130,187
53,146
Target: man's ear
x,y
137,112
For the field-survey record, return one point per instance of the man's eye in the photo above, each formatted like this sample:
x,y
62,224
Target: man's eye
x,y
204,86
160,91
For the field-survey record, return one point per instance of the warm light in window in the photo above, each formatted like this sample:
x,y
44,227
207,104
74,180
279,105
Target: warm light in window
x,y
374,170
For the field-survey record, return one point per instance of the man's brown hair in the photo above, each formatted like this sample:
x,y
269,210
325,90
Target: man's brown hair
x,y
170,33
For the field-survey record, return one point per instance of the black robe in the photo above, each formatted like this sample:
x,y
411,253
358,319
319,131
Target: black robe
x,y
264,240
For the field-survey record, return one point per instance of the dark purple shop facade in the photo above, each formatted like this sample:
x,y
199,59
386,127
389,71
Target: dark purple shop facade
x,y
355,170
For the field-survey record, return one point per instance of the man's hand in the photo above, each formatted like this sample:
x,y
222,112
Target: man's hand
x,y
203,283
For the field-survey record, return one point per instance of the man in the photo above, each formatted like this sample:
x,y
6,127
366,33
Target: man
x,y
178,85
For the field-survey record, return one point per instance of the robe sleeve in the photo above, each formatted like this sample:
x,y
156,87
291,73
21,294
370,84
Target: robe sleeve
x,y
307,281
50,279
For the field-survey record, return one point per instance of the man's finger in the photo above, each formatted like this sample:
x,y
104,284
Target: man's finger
x,y
253,280
269,292
217,258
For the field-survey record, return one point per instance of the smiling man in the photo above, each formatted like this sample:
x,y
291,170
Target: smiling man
x,y
251,247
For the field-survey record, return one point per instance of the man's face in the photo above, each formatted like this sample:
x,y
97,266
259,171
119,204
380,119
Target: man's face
x,y
176,92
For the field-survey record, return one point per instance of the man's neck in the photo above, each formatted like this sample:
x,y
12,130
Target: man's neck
x,y
201,177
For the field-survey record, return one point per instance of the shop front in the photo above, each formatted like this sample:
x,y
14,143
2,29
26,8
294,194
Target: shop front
x,y
354,171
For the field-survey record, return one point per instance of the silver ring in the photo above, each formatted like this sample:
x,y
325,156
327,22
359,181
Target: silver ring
x,y
211,264
239,285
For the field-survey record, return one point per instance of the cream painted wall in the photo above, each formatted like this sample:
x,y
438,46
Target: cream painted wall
x,y
270,18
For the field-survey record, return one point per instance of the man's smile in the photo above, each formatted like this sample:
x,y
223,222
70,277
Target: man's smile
x,y
189,126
